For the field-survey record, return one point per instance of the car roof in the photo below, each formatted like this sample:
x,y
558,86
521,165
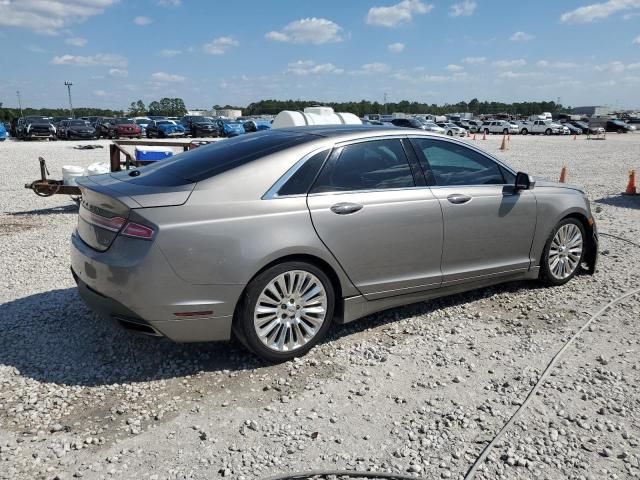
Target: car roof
x,y
353,132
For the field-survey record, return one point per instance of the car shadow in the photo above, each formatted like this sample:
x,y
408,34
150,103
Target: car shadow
x,y
64,209
622,201
53,337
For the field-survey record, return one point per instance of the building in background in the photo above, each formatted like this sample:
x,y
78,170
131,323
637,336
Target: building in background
x,y
228,113
591,111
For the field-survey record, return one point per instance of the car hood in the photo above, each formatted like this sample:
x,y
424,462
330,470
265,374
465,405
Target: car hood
x,y
233,127
81,129
543,182
171,128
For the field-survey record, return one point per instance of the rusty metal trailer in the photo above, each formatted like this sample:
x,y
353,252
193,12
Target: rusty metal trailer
x,y
46,187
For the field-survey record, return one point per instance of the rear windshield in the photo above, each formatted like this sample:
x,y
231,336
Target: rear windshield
x,y
210,160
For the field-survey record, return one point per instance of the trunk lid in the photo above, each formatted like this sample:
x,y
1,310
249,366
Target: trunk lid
x,y
107,201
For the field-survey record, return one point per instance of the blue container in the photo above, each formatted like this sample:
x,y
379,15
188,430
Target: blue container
x,y
152,154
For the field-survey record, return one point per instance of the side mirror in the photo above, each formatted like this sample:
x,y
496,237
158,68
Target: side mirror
x,y
524,181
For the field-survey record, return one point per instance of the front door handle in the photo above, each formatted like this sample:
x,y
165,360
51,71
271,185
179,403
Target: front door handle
x,y
346,208
458,198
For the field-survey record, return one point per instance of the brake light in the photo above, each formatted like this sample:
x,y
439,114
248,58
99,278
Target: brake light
x,y
135,230
113,224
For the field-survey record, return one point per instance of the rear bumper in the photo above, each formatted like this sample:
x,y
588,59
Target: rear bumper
x,y
133,285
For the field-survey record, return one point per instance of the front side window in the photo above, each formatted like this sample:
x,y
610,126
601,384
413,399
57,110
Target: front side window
x,y
448,164
370,165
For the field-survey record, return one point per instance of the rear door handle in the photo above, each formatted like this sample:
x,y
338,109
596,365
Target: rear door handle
x,y
458,198
346,208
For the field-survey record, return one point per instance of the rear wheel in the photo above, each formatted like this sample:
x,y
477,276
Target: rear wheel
x,y
486,130
450,133
563,252
524,131
505,131
285,311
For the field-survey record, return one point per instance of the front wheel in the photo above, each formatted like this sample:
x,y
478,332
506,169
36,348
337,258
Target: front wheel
x,y
563,252
505,131
450,133
547,131
486,130
285,311
524,131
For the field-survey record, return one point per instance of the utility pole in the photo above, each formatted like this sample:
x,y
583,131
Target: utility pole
x,y
19,102
385,103
68,84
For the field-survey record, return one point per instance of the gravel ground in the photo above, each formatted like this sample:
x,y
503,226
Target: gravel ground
x,y
419,389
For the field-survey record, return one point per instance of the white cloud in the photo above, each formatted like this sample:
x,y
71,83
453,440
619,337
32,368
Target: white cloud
x,y
559,65
162,77
76,41
399,47
454,68
142,21
463,9
170,53
598,11
474,60
397,14
49,17
100,59
119,72
308,30
100,93
371,69
617,67
219,46
309,67
169,3
521,37
637,40
509,63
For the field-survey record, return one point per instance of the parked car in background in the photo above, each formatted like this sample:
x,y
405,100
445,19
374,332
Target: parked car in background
x,y
573,130
229,128
582,126
562,128
619,126
142,122
277,235
69,129
35,127
433,128
3,132
13,127
452,129
199,126
546,127
499,126
124,127
102,126
474,125
164,129
256,125
408,123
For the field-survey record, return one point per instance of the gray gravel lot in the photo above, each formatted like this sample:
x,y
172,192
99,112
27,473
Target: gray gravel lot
x,y
419,389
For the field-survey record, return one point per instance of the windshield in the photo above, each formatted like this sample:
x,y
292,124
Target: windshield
x,y
78,123
142,121
37,119
201,120
123,121
164,122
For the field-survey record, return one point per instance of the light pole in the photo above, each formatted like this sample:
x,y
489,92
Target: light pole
x,y
19,102
68,84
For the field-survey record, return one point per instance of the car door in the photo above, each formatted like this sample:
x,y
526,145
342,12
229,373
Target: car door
x,y
488,224
372,210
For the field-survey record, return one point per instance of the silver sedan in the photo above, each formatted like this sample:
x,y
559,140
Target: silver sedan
x,y
275,236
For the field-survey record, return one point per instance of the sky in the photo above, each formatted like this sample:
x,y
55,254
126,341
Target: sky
x,y
234,52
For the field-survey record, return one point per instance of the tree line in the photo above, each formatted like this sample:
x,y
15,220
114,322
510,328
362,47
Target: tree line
x,y
364,107
175,107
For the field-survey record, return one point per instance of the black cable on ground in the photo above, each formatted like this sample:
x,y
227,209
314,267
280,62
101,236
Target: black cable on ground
x,y
344,473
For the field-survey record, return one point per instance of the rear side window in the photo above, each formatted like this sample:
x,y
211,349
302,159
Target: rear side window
x,y
370,165
448,164
302,180
213,159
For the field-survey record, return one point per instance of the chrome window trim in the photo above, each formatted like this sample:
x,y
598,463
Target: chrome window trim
x,y
272,193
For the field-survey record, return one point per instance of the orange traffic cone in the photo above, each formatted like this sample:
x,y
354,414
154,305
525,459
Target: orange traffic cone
x,y
484,135
474,136
631,186
574,136
468,134
509,138
504,143
563,175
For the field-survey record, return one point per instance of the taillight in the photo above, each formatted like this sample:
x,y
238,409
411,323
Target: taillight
x,y
136,230
113,224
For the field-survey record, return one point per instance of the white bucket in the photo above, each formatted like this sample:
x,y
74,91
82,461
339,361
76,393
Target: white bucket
x,y
70,173
98,168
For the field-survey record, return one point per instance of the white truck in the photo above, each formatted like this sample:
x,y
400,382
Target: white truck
x,y
546,127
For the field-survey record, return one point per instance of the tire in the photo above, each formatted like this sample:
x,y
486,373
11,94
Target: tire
x,y
486,130
246,330
547,131
505,131
450,133
524,131
552,273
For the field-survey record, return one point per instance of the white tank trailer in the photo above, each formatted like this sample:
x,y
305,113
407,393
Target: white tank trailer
x,y
314,116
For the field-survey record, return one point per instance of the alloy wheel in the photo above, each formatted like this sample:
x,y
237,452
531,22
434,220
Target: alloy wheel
x,y
565,251
290,311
